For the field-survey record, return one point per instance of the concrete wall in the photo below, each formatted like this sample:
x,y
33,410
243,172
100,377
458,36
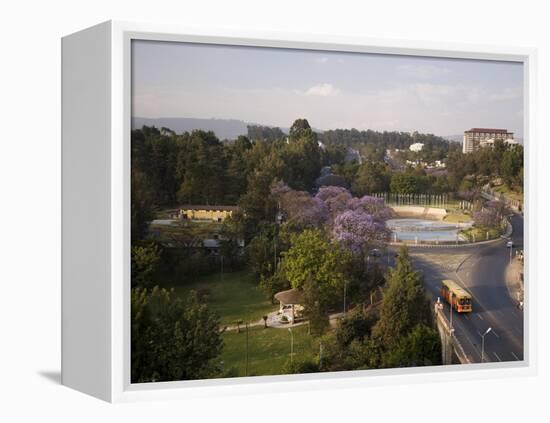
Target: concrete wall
x,y
420,212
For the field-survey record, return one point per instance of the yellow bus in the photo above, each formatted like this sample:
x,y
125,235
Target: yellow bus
x,y
456,296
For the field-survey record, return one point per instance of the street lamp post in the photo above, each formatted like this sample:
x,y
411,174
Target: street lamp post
x,y
246,369
483,343
345,287
291,344
451,315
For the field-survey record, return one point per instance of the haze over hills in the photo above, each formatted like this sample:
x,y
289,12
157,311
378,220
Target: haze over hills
x,y
223,128
454,138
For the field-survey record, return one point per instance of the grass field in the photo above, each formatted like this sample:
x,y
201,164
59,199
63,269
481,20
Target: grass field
x,y
457,217
475,234
268,349
235,296
514,195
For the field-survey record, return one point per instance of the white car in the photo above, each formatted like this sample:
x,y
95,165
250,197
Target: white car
x,y
509,244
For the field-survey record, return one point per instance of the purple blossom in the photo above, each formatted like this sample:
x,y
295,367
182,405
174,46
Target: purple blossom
x,y
487,217
358,230
335,199
301,209
372,205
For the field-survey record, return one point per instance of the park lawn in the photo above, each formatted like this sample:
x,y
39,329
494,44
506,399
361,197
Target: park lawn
x,y
235,296
268,349
475,234
507,192
457,217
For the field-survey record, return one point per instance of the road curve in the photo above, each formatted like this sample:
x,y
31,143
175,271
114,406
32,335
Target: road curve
x,y
480,269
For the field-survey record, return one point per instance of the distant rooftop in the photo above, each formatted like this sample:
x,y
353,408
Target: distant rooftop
x,y
205,207
489,130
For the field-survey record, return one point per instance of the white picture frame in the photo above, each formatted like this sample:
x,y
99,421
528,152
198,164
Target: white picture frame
x,y
96,115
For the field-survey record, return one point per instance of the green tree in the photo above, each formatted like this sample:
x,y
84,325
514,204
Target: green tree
x,y
356,326
403,183
371,178
311,255
261,254
274,283
141,205
231,241
511,167
299,129
421,347
314,308
404,304
144,264
202,163
300,365
172,339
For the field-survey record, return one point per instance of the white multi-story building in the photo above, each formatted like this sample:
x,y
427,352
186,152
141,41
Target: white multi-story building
x,y
417,146
484,137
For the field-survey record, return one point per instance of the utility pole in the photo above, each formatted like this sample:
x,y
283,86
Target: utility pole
x,y
345,286
451,318
291,344
246,367
483,343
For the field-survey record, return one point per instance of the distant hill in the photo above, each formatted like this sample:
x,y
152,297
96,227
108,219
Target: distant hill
x,y
455,138
223,128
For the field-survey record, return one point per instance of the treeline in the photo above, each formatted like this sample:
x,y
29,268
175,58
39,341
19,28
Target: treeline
x,y
373,144
198,168
401,332
376,177
473,170
264,133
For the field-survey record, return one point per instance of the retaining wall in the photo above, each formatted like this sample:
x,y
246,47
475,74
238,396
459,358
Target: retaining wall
x,y
420,212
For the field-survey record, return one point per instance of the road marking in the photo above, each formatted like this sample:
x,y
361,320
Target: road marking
x,y
479,315
496,355
515,356
494,333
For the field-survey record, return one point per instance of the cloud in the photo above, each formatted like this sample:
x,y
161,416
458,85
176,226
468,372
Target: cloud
x,y
507,94
422,71
322,90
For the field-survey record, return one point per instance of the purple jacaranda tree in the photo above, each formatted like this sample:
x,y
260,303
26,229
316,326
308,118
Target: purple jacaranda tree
x,y
335,198
359,231
487,218
500,208
300,209
374,206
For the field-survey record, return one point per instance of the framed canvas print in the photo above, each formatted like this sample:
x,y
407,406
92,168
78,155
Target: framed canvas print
x,y
254,212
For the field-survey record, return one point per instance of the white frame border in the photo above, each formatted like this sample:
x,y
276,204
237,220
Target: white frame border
x,y
121,390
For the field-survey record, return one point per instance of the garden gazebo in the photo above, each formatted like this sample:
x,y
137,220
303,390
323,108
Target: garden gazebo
x,y
291,299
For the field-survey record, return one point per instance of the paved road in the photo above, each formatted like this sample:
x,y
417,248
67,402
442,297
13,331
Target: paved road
x,y
481,269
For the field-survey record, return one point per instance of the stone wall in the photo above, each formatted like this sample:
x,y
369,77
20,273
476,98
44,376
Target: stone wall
x,y
420,212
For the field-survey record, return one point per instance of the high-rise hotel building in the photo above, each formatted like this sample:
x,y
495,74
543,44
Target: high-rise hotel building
x,y
483,137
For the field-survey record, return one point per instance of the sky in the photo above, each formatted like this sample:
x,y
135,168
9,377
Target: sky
x,y
331,89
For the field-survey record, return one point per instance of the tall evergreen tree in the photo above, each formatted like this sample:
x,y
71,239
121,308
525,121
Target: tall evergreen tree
x,y
172,339
404,304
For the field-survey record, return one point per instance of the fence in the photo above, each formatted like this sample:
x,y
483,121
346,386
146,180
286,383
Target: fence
x,y
444,201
